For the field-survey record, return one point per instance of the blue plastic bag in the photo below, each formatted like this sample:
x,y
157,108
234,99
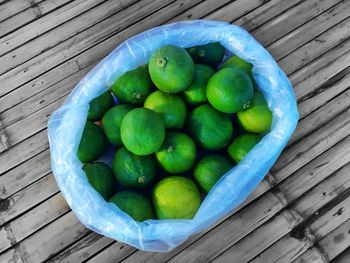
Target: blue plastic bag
x,y
66,125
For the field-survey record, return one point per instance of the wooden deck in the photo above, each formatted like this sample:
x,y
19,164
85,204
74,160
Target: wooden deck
x,y
300,212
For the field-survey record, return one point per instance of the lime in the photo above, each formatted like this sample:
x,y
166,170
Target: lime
x,y
170,106
241,64
101,177
133,86
133,170
258,118
210,169
230,90
210,128
176,197
171,69
92,143
177,154
210,54
134,204
99,105
142,131
240,146
196,93
111,122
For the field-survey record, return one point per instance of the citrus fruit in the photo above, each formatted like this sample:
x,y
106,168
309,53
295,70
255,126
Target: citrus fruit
x,y
210,128
101,177
258,118
92,143
176,197
177,154
170,106
210,169
142,131
196,92
210,54
235,61
241,145
230,90
99,105
134,204
133,170
133,86
111,122
171,69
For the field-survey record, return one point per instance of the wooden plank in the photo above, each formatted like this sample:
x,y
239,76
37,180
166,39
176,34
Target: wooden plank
x,y
114,253
23,151
18,229
316,170
4,144
337,241
312,146
10,8
47,241
302,13
343,257
312,255
27,198
316,26
44,24
64,32
84,248
248,247
34,12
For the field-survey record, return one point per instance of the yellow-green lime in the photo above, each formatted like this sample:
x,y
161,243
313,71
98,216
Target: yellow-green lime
x,y
133,86
101,177
210,54
241,146
133,170
111,123
258,118
176,197
210,128
134,204
99,105
196,93
92,143
230,90
171,69
142,131
210,169
177,154
170,106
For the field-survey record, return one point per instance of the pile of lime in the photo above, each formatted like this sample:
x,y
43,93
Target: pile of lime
x,y
180,123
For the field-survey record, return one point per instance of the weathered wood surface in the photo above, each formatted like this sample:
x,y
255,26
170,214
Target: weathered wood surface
x,y
299,213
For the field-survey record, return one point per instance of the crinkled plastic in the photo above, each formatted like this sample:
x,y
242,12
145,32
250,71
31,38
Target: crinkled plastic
x,y
66,125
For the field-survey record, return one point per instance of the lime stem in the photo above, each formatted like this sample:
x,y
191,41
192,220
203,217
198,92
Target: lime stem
x,y
161,62
171,148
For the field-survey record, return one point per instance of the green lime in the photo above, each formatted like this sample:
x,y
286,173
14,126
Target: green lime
x,y
258,118
210,54
142,131
92,143
196,93
210,169
111,122
133,86
134,204
99,105
170,106
171,69
177,154
101,177
237,62
230,90
176,197
133,170
210,128
241,145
